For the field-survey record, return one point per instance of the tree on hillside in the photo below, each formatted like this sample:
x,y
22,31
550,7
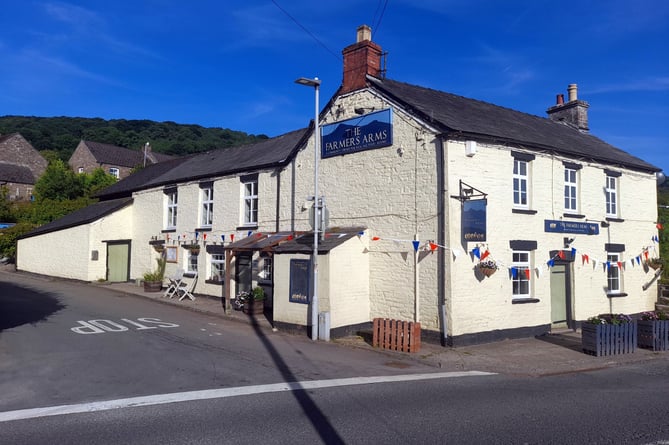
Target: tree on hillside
x,y
59,183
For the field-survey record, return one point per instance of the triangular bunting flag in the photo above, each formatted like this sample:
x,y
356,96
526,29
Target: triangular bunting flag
x,y
232,237
620,265
659,226
539,271
485,255
416,243
433,246
573,252
528,273
551,262
375,238
561,254
222,238
477,252
638,259
456,253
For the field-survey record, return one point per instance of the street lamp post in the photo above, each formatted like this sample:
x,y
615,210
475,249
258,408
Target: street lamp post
x,y
316,83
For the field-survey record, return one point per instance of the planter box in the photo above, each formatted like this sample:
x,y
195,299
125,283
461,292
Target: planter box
x,y
608,339
653,334
153,286
254,307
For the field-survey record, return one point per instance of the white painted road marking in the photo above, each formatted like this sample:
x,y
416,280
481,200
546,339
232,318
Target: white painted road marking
x,y
101,326
206,394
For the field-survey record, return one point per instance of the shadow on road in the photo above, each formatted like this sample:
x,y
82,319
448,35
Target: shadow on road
x,y
319,421
20,305
569,341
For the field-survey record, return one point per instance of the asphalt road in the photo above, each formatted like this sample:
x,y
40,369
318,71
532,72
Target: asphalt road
x,y
86,365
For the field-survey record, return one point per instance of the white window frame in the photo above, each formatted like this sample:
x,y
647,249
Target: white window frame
x,y
172,205
217,266
250,202
267,268
614,276
611,192
115,172
207,206
521,286
191,261
570,190
80,170
521,180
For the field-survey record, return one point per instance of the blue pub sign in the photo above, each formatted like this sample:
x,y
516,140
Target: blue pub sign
x,y
373,130
474,219
583,228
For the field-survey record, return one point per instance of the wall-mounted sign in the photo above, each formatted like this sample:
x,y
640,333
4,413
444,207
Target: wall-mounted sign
x,y
299,281
582,228
373,130
474,219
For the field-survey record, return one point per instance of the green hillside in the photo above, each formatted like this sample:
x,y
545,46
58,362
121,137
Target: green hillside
x,y
62,134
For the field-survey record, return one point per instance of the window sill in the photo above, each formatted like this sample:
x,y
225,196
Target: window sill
x,y
203,229
611,219
524,211
217,282
573,215
173,230
616,295
248,227
189,275
524,300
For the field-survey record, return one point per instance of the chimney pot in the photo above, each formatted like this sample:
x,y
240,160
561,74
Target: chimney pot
x,y
560,99
572,89
364,34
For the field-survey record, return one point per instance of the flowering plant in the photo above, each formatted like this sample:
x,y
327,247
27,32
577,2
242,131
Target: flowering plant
x,y
614,319
488,264
654,315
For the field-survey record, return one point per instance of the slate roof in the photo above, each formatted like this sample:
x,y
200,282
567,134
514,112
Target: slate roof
x,y
82,216
267,153
16,173
123,157
473,118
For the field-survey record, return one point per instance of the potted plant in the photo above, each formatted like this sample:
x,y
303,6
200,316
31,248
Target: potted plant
x,y
488,267
153,281
653,331
609,334
254,303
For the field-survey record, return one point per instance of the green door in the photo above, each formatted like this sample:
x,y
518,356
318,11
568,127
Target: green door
x,y
118,261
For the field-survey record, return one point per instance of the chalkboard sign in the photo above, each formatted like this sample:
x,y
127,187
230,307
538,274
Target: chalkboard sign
x,y
299,281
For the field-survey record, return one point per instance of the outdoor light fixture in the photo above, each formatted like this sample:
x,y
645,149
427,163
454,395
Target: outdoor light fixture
x,y
316,83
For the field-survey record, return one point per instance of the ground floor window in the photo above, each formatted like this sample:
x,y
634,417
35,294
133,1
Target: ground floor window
x,y
191,261
217,267
613,275
520,270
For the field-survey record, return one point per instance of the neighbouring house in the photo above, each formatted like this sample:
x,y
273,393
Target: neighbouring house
x,y
115,160
423,189
21,165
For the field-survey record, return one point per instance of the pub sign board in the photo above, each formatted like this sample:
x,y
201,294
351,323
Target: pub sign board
x,y
299,281
582,228
373,130
474,219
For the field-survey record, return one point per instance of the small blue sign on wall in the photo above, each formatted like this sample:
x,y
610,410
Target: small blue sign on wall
x,y
583,228
373,130
474,219
299,281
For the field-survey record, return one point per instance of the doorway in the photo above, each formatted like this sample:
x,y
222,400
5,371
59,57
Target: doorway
x,y
118,261
243,273
561,298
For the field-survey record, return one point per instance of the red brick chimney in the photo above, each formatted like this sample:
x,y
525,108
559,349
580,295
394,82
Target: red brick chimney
x,y
360,59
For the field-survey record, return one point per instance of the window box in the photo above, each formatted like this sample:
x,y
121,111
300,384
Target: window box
x,y
653,334
608,339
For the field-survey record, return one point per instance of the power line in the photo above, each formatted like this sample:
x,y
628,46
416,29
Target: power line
x,y
377,25
306,30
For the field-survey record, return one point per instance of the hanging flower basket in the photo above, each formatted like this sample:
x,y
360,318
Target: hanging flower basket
x,y
488,268
194,248
654,263
159,248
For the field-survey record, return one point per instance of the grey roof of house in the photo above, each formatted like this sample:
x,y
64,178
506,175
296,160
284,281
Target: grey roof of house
x,y
15,173
82,216
473,118
246,158
123,157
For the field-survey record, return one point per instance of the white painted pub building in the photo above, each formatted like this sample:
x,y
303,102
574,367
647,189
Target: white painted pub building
x,y
423,188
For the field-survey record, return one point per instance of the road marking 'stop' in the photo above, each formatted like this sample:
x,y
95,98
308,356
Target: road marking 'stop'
x,y
159,399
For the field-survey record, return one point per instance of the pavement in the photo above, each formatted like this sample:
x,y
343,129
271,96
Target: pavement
x,y
553,354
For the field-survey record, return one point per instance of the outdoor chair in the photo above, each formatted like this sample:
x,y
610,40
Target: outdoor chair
x,y
174,281
185,289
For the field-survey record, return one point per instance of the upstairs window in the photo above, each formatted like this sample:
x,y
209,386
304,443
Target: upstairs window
x,y
171,216
611,192
570,190
80,170
207,194
115,172
520,184
250,200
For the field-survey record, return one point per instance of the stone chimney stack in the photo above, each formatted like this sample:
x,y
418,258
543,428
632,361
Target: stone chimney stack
x,y
573,113
360,59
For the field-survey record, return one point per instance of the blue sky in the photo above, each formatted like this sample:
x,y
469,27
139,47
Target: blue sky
x,y
233,64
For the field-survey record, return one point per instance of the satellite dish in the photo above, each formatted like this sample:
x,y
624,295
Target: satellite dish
x,y
660,177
